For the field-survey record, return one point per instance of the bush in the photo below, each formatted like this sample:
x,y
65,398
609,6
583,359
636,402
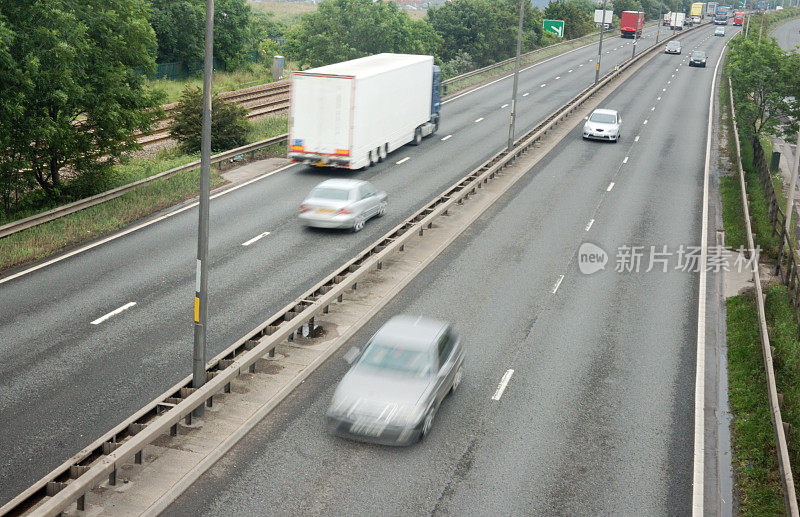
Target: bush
x,y
228,122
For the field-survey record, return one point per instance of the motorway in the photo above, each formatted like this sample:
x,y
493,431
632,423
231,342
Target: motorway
x,y
598,416
788,34
65,380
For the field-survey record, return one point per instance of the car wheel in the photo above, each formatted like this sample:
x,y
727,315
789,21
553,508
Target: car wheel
x,y
382,209
427,423
358,225
457,379
417,137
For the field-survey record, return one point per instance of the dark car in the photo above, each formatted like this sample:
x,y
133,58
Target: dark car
x,y
698,58
392,392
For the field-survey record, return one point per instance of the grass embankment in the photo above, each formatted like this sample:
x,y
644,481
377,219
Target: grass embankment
x,y
755,462
48,238
755,465
252,74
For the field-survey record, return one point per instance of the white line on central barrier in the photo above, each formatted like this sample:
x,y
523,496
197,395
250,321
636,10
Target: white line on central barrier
x,y
113,313
502,386
256,238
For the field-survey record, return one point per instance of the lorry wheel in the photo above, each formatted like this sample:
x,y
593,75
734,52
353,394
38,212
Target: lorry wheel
x,y
417,137
373,157
382,152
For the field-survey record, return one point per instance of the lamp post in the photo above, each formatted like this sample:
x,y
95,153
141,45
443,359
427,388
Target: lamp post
x,y
660,19
600,47
201,281
636,30
512,118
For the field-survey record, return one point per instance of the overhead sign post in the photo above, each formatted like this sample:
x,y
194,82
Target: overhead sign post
x,y
554,26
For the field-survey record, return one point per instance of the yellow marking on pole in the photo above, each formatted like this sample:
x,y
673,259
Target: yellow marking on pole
x,y
196,309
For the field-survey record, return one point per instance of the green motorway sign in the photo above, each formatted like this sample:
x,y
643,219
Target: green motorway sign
x,y
554,26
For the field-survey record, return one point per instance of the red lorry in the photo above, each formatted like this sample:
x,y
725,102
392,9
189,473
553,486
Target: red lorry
x,y
631,23
738,18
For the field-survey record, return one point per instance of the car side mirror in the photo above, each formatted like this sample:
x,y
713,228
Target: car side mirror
x,y
585,118
620,121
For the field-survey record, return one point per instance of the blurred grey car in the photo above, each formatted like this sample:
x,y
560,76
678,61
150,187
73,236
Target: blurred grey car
x,y
698,58
673,47
392,392
602,124
342,203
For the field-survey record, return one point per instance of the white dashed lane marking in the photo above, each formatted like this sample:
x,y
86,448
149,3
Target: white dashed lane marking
x,y
404,160
447,137
255,239
502,386
610,186
113,313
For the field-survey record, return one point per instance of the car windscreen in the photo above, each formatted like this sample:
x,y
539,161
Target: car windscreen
x,y
603,118
388,356
333,194
674,44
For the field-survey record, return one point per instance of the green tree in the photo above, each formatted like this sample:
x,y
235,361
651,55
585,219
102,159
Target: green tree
x,y
486,30
70,72
347,29
764,80
576,22
625,5
228,122
180,28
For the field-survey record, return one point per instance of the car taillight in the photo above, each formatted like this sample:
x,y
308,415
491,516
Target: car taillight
x,y
304,208
344,211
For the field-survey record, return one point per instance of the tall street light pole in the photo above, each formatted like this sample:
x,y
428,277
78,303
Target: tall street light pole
x,y
600,47
513,117
201,281
636,32
660,19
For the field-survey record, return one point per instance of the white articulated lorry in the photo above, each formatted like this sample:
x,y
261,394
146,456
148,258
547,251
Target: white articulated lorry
x,y
353,114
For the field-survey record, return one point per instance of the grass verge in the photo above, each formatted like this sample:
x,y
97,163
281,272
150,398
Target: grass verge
x,y
729,187
758,487
49,238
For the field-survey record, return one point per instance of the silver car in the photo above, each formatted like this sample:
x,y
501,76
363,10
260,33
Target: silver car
x,y
673,47
391,393
602,124
342,203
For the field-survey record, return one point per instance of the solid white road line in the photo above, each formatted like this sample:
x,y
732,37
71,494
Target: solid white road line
x,y
625,160
255,239
588,226
140,226
698,477
448,137
125,307
404,160
502,386
610,186
558,284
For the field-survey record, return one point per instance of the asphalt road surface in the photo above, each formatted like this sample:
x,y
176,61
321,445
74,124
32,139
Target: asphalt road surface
x,y
65,381
598,416
788,34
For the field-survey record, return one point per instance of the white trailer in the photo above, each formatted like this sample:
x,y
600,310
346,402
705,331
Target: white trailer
x,y
676,21
599,18
353,114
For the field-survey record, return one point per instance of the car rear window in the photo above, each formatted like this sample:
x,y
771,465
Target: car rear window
x,y
603,118
387,356
673,44
698,54
334,194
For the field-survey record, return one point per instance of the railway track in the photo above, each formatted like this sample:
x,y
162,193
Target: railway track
x,y
261,100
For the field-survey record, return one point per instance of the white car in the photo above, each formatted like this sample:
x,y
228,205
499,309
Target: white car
x,y
342,203
602,124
